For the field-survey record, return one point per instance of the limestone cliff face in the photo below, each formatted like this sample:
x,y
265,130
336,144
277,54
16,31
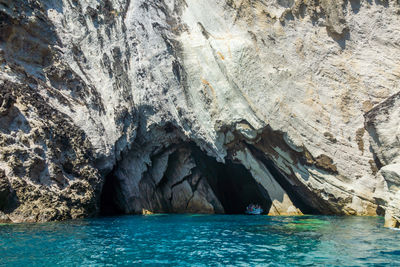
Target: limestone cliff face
x,y
193,106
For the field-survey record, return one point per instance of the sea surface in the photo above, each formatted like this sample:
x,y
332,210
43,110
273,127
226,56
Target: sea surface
x,y
202,240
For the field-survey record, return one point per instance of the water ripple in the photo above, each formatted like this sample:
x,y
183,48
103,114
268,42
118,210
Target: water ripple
x,y
219,240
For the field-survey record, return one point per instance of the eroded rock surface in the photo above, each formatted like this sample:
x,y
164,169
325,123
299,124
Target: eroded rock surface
x,y
166,98
383,126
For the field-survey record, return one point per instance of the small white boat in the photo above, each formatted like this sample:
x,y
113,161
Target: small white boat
x,y
254,210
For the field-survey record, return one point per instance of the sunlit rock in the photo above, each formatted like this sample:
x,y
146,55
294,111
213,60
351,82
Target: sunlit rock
x,y
198,106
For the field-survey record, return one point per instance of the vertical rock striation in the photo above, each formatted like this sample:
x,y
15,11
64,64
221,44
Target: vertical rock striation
x,y
163,99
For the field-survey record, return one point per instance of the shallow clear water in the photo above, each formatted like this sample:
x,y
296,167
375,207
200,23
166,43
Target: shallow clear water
x,y
182,240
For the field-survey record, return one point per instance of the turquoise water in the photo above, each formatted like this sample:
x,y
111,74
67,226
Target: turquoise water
x,y
202,240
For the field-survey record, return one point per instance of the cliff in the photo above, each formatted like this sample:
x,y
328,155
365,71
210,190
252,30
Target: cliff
x,y
199,106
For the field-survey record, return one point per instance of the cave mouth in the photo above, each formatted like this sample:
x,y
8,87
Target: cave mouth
x,y
236,188
108,197
231,183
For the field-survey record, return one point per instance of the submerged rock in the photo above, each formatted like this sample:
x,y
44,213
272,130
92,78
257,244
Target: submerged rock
x,y
167,98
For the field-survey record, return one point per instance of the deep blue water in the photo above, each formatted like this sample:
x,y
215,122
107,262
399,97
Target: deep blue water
x,y
202,240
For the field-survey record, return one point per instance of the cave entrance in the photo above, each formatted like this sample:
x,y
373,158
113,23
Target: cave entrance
x,y
108,197
232,183
236,188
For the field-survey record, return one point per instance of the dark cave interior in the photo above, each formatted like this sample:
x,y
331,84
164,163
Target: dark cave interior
x,y
108,198
232,183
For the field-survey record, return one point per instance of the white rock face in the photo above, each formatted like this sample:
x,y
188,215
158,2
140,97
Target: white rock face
x,y
382,123
302,94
